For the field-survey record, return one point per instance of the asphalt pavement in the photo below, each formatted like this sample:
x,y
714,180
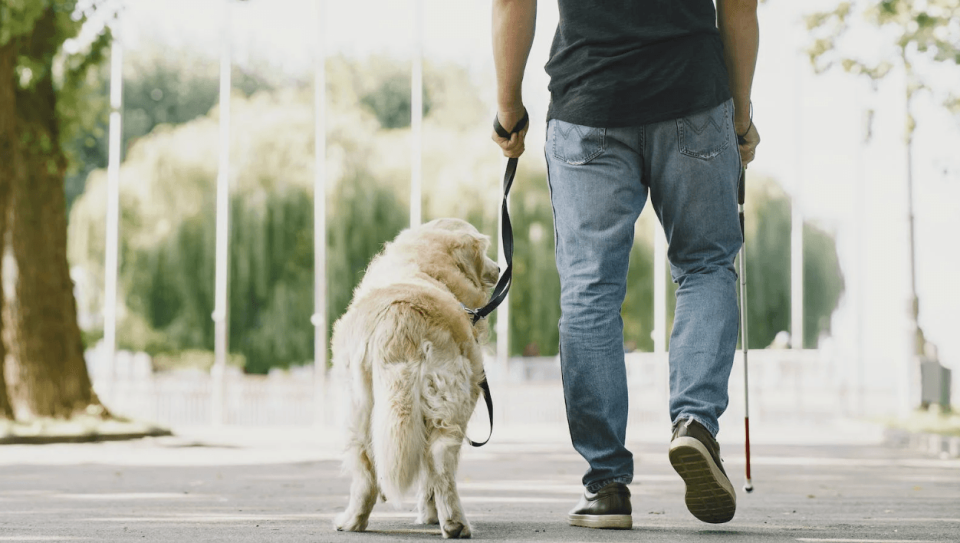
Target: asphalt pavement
x,y
241,484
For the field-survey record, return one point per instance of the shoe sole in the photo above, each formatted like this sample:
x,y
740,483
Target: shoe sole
x,y
610,522
710,496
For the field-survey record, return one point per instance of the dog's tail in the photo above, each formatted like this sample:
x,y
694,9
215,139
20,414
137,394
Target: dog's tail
x,y
397,427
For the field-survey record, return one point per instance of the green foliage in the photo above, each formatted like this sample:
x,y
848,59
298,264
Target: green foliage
x,y
366,215
168,228
39,30
768,269
917,32
391,102
535,292
17,17
823,283
159,87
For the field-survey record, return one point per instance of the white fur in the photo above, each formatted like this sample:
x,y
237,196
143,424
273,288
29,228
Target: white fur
x,y
414,364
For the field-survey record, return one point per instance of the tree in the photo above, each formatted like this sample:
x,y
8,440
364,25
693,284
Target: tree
x,y
8,157
160,86
919,34
44,107
535,292
768,269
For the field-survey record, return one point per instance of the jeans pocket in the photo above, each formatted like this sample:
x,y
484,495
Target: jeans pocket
x,y
575,144
706,134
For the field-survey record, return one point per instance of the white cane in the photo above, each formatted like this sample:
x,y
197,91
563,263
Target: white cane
x,y
741,196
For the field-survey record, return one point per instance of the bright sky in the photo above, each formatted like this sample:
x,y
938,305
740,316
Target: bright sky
x,y
812,129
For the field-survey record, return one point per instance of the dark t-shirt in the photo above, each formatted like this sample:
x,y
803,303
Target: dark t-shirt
x,y
633,62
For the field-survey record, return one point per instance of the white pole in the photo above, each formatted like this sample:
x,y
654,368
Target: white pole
x,y
319,318
796,216
659,291
662,370
113,213
416,117
859,219
220,312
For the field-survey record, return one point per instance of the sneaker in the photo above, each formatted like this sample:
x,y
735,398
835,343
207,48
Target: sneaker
x,y
695,455
608,508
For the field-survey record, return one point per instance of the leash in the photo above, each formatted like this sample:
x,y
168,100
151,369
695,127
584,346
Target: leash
x,y
503,284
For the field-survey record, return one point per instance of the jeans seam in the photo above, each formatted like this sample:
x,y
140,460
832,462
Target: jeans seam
x,y
556,246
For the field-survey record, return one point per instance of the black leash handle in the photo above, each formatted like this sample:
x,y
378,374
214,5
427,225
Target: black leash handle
x,y
503,285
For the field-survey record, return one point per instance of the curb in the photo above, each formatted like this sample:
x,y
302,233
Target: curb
x,y
932,444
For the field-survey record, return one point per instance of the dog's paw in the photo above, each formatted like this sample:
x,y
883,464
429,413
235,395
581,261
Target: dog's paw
x,y
427,512
427,518
345,522
452,529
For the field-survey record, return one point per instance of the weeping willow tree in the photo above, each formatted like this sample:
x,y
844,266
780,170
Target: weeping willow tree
x,y
168,230
44,100
271,271
167,190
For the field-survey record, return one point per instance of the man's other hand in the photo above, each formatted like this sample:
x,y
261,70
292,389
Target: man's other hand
x,y
512,147
748,148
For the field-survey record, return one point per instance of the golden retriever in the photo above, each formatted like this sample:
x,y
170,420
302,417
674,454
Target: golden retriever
x,y
413,361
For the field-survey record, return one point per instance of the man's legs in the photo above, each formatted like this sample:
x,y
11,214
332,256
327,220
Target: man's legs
x,y
597,195
694,168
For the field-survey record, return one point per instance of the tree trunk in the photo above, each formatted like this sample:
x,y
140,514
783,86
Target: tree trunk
x,y
8,138
51,372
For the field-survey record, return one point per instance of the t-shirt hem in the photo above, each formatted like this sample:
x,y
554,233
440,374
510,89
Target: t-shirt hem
x,y
634,120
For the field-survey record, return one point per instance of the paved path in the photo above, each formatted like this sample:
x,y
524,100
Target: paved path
x,y
286,486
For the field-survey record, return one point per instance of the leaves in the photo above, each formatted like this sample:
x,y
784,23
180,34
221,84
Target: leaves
x,y
918,32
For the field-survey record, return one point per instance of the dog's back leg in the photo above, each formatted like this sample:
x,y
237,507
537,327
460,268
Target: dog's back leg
x,y
449,401
441,478
358,460
426,506
363,491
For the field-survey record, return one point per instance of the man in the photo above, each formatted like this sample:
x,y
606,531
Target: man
x,y
646,96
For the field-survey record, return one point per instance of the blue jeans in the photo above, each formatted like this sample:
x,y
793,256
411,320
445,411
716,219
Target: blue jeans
x,y
599,178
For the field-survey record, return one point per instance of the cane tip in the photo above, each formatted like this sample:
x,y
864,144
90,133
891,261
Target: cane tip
x,y
748,487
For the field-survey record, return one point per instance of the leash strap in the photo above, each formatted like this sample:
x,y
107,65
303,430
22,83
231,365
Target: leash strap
x,y
488,399
503,285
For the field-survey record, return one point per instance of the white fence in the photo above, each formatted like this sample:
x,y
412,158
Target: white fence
x,y
784,385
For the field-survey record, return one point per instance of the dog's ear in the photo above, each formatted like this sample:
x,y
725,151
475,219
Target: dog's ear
x,y
488,270
471,258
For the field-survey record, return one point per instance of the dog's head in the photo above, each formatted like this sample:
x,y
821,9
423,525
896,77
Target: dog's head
x,y
468,247
452,252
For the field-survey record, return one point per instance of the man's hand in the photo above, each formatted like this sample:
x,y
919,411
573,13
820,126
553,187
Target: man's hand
x,y
514,22
512,147
748,148
740,35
